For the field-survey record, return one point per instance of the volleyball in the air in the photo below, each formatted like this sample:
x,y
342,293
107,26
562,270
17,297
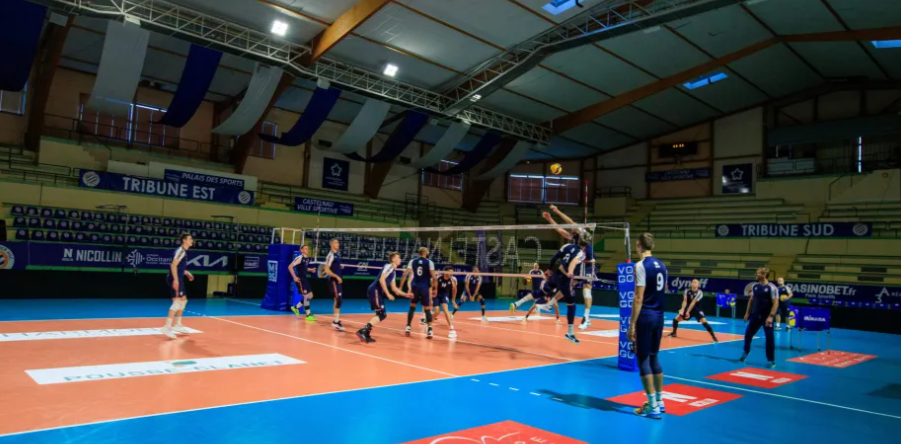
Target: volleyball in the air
x,y
556,168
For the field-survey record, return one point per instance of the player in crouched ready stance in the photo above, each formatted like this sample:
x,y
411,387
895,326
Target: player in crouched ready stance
x,y
377,292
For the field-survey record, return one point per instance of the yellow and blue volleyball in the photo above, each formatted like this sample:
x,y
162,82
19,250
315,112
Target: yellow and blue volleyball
x,y
556,168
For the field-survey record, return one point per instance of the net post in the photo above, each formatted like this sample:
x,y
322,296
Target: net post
x,y
628,243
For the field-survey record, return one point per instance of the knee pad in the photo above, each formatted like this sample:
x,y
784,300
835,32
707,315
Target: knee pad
x,y
482,301
339,300
175,305
644,365
586,294
381,314
656,368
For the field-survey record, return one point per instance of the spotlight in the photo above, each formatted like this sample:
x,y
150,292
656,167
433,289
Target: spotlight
x,y
390,70
279,28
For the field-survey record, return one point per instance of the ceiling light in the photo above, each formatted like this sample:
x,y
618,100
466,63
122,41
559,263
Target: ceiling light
x,y
390,70
279,28
475,98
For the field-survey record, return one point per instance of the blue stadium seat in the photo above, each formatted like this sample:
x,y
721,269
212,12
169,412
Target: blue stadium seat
x,y
21,234
172,232
198,224
137,229
112,218
59,214
243,247
64,224
103,228
119,239
217,226
144,240
132,240
145,220
167,242
220,246
167,222
123,218
232,237
94,238
90,227
277,240
106,239
258,247
20,221
34,222
134,220
115,228
37,235
207,225
49,224
242,238
157,221
231,246
156,242
18,210
178,223
198,244
31,211
73,214
77,225
66,236
214,235
99,216
194,234
46,212
85,215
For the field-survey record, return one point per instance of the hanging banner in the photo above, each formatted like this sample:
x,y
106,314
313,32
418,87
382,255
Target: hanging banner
x,y
318,206
738,179
335,174
203,179
674,175
160,188
835,229
625,278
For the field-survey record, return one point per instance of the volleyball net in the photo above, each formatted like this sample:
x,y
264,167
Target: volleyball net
x,y
503,253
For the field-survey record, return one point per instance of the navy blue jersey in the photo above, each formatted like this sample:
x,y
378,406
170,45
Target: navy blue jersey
x,y
180,253
422,269
472,281
446,286
765,295
547,289
301,266
783,290
333,262
651,274
537,278
388,272
566,255
693,295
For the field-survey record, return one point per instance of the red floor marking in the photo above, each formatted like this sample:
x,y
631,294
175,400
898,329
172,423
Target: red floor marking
x,y
835,359
756,377
680,399
507,432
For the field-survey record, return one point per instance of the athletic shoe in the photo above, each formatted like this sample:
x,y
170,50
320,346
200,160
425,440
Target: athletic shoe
x,y
181,329
585,324
310,317
428,334
572,338
743,357
294,309
337,325
407,331
484,319
452,334
168,332
661,406
671,335
513,308
716,341
421,321
363,335
648,412
771,364
778,328
559,322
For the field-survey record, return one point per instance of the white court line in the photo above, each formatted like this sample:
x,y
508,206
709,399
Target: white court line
x,y
781,396
332,346
533,332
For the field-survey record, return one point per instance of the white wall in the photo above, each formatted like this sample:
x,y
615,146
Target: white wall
x,y
625,168
737,139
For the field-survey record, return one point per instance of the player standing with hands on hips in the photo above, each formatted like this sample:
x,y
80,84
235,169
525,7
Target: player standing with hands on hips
x,y
646,327
760,313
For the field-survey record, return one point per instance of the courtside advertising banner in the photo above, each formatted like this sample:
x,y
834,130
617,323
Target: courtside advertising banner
x,y
279,282
625,278
813,318
818,230
109,256
319,206
13,256
161,188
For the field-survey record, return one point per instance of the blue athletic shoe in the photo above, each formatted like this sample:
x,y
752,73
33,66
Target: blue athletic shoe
x,y
646,411
771,364
662,407
743,357
572,338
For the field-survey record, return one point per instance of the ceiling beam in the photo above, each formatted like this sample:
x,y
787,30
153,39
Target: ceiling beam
x,y
592,112
344,26
49,54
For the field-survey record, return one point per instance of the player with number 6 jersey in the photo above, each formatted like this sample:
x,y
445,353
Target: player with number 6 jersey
x,y
421,273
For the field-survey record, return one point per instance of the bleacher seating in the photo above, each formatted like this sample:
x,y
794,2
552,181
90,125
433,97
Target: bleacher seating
x,y
726,265
699,217
50,224
886,217
850,269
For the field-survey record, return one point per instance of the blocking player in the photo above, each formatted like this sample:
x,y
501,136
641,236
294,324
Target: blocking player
x,y
691,299
299,269
178,271
588,272
377,292
761,310
646,326
471,286
563,265
785,295
421,272
335,280
447,291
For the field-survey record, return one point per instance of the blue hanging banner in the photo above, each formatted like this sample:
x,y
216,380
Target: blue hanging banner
x,y
833,229
318,206
313,117
625,278
160,188
335,174
196,79
21,24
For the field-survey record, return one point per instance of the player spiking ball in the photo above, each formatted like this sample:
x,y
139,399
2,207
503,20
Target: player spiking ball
x,y
587,270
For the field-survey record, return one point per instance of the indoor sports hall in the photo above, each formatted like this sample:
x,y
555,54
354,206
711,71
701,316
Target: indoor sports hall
x,y
450,221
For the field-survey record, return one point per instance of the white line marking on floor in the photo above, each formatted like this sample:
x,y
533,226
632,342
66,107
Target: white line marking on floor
x,y
533,393
557,399
530,332
781,396
492,384
514,389
475,380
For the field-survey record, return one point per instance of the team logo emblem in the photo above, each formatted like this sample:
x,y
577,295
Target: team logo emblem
x,y
861,229
134,258
7,258
244,197
722,230
90,179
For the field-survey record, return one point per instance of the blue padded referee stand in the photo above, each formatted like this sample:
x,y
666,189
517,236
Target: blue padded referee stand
x,y
278,291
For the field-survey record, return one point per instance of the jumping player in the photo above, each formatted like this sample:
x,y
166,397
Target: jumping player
x,y
646,327
377,292
422,281
334,271
537,277
447,291
471,286
588,272
690,309
563,265
761,310
785,295
178,271
299,269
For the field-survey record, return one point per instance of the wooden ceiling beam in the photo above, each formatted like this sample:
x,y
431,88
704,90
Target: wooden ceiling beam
x,y
343,27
